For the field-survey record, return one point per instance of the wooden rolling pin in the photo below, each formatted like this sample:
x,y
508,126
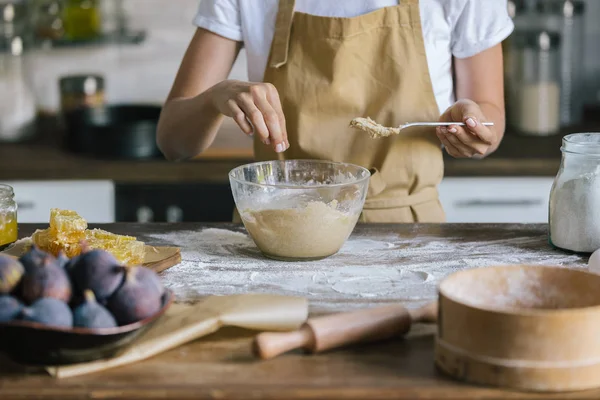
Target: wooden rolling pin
x,y
338,330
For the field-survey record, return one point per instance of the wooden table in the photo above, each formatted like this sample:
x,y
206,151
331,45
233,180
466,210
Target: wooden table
x,y
221,366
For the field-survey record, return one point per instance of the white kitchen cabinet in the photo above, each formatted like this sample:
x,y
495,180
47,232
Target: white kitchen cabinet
x,y
93,200
496,199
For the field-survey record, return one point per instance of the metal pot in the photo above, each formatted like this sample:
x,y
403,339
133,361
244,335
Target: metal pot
x,y
119,131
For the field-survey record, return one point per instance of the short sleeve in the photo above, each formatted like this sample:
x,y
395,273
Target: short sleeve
x,y
221,17
481,25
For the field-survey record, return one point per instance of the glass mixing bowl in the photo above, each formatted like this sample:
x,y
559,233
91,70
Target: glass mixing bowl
x,y
299,209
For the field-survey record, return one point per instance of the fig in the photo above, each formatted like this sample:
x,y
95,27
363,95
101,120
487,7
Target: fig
x,y
47,280
49,311
35,257
10,308
63,260
98,271
150,278
136,299
91,314
11,272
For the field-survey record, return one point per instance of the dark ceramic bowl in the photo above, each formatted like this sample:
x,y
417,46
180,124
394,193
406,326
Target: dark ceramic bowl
x,y
36,344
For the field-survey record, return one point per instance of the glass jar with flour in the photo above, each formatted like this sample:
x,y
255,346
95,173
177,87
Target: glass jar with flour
x,y
534,98
574,211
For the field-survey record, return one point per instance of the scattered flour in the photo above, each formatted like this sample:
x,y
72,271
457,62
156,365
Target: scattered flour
x,y
379,269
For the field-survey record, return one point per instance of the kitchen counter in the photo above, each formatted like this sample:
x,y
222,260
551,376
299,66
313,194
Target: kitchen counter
x,y
379,264
45,160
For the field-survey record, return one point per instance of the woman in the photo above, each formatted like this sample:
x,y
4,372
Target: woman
x,y
314,65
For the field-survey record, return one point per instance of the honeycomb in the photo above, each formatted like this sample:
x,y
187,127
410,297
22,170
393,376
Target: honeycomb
x,y
126,249
66,224
68,230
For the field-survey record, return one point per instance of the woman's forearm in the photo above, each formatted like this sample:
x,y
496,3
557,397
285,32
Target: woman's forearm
x,y
494,114
188,126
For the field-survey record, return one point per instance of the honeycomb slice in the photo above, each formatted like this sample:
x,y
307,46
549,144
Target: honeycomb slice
x,y
99,234
46,241
126,249
68,229
67,226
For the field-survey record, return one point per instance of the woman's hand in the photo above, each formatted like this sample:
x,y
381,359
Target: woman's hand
x,y
256,108
471,140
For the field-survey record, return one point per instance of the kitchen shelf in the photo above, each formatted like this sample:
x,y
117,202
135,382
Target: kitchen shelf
x,y
116,38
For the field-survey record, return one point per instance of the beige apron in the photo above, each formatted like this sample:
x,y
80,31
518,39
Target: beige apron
x,y
330,70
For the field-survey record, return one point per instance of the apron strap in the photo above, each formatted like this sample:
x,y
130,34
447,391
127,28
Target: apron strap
x,y
283,28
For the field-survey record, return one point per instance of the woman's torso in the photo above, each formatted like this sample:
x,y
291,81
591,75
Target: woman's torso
x,y
438,19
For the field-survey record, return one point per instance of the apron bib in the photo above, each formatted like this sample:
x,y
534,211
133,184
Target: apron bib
x,y
330,70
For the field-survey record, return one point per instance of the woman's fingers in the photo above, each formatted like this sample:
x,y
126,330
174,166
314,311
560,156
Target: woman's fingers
x,y
271,118
476,128
275,101
260,105
240,117
246,103
453,151
468,139
457,148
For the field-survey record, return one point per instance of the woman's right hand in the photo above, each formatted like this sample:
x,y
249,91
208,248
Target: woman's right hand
x,y
256,108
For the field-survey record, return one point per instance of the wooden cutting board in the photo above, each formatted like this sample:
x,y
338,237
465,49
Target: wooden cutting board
x,y
157,258
161,258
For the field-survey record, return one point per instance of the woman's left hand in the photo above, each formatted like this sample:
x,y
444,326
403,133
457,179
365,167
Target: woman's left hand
x,y
471,140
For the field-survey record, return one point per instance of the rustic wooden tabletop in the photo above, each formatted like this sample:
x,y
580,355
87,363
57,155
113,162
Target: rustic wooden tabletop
x,y
379,264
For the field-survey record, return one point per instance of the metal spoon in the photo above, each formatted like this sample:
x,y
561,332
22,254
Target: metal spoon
x,y
376,130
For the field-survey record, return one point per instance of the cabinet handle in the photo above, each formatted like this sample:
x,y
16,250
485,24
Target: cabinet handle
x,y
498,203
25,205
174,214
145,214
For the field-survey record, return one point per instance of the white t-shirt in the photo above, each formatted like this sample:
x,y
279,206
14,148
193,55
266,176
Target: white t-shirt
x,y
459,28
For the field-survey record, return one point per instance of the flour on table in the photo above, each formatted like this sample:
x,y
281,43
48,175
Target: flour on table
x,y
378,269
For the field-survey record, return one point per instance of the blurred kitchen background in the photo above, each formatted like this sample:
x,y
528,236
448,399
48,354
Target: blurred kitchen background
x,y
82,83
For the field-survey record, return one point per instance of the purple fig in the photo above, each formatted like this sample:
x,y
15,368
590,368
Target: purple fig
x,y
49,311
47,280
35,257
151,279
10,308
62,260
98,271
136,299
11,272
91,314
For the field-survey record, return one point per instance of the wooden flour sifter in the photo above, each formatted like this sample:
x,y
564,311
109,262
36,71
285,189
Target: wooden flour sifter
x,y
533,328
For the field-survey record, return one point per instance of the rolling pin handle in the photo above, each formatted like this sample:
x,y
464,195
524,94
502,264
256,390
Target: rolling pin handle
x,y
271,344
366,325
338,330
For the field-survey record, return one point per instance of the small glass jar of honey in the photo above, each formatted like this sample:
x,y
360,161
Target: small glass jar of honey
x,y
8,216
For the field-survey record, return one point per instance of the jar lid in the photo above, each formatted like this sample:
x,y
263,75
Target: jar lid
x,y
566,8
587,143
6,192
537,39
83,84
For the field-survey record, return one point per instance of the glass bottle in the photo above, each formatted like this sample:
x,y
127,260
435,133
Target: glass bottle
x,y
574,214
8,216
82,19
535,102
567,18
